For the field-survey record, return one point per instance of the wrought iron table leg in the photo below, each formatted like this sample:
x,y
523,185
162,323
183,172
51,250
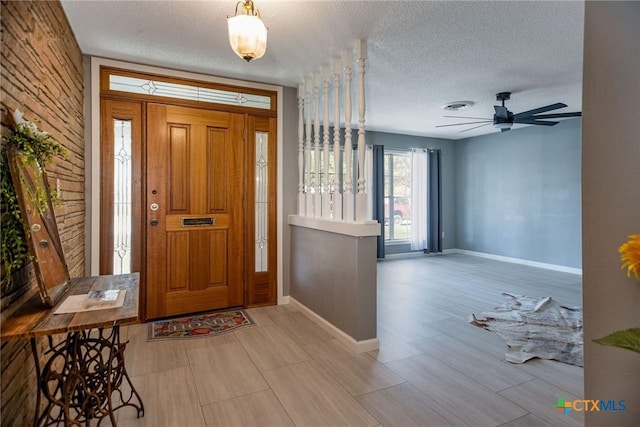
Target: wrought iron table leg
x,y
80,376
34,351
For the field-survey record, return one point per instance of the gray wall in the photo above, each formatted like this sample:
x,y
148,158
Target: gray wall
x,y
335,276
611,202
448,147
518,194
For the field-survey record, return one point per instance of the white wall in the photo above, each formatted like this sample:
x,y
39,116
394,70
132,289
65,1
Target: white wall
x,y
289,170
610,202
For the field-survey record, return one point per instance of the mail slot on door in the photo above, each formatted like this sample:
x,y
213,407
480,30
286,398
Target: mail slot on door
x,y
194,222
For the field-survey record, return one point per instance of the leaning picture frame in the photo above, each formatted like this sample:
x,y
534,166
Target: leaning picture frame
x,y
40,226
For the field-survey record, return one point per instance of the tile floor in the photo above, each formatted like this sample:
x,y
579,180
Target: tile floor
x,y
432,368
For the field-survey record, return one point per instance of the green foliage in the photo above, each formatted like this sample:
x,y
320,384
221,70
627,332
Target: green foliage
x,y
37,146
629,339
14,247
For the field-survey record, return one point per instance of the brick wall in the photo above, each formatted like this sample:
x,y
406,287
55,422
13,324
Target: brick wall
x,y
42,76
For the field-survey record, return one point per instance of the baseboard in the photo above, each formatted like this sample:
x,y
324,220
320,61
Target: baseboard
x,y
415,254
283,300
554,267
362,346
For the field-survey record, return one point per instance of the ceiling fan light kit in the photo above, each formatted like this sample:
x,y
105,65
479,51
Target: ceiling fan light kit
x,y
503,126
504,119
247,32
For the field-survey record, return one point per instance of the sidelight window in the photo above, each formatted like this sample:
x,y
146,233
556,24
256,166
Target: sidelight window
x,y
122,203
262,202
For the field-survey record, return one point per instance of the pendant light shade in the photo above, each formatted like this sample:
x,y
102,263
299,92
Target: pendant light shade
x,y
247,32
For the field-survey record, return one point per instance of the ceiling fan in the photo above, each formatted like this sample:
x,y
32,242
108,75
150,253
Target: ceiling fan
x,y
503,119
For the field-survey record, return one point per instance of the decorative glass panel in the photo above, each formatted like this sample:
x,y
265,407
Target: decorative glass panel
x,y
122,169
193,93
262,199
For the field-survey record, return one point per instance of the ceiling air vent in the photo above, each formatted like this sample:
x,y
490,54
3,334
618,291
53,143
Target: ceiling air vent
x,y
457,105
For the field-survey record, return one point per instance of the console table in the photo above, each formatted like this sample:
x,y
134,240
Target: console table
x,y
83,376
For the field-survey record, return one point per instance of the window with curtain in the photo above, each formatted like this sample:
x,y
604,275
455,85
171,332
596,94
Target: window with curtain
x,y
419,181
397,196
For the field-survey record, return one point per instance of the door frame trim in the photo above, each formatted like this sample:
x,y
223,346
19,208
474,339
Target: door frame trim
x,y
92,153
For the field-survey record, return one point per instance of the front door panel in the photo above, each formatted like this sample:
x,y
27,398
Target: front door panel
x,y
195,254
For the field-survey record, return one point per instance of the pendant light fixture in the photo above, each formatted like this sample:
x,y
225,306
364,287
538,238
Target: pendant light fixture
x,y
247,32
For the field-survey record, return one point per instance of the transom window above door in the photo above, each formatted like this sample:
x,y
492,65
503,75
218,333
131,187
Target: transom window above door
x,y
114,80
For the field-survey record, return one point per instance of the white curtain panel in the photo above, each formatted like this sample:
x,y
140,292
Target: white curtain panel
x,y
419,176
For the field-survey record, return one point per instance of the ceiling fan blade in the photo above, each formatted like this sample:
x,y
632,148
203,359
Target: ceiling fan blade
x,y
475,127
463,117
540,110
459,124
559,115
533,121
501,112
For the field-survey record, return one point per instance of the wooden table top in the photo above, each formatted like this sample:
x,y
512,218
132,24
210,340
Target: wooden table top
x,y
34,319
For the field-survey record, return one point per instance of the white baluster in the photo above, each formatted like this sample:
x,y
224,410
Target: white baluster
x,y
361,199
308,190
301,201
336,196
347,61
317,201
326,196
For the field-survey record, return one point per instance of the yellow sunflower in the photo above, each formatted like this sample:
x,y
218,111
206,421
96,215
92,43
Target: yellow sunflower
x,y
630,255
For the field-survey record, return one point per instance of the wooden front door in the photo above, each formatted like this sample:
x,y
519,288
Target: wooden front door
x,y
194,210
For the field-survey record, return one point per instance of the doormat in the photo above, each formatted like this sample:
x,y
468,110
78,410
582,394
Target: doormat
x,y
200,325
536,327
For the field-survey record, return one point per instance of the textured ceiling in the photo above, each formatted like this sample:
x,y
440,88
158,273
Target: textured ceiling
x,y
422,54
